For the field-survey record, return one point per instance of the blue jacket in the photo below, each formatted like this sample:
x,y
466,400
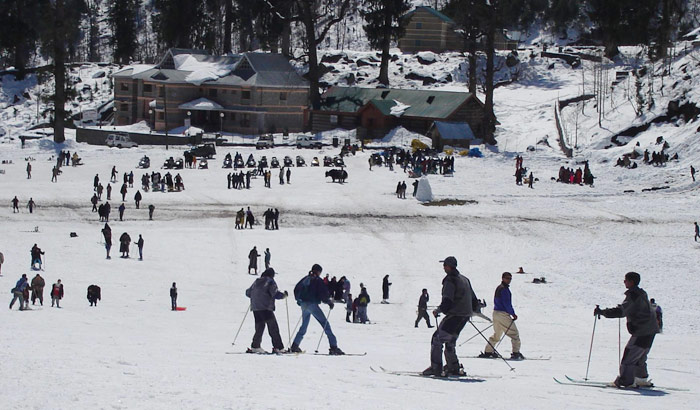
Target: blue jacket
x,y
502,299
21,284
311,289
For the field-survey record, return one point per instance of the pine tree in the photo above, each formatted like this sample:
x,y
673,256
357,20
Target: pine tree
x,y
19,32
384,25
176,21
122,20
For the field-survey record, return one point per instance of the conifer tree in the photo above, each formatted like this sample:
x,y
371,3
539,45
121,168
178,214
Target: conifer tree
x,y
384,25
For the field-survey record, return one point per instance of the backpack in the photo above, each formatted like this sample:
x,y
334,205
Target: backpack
x,y
302,291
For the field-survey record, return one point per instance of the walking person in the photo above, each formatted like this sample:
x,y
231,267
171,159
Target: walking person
x,y
309,292
139,243
30,205
37,285
137,198
107,233
423,308
267,258
121,211
173,297
253,256
56,293
15,205
263,293
151,208
18,291
36,253
94,293
692,172
458,302
504,318
642,326
123,191
385,289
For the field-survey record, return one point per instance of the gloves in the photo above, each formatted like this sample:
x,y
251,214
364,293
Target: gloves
x,y
286,294
331,304
436,313
597,311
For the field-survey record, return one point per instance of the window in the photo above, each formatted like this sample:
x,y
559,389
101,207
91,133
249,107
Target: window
x,y
283,96
147,88
123,107
213,92
124,87
334,119
245,120
245,95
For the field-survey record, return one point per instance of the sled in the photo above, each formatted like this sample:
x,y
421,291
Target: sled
x,y
180,308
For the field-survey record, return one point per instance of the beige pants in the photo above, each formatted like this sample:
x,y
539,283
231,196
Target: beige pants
x,y
502,323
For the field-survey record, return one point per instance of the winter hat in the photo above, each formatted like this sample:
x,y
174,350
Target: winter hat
x,y
450,261
316,268
268,272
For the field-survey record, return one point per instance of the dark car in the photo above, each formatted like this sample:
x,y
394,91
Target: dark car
x,y
338,162
274,163
206,150
288,161
300,161
263,161
327,161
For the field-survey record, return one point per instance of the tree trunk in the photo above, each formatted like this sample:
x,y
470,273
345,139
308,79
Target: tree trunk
x,y
228,22
59,57
94,32
312,76
488,122
471,49
286,39
386,44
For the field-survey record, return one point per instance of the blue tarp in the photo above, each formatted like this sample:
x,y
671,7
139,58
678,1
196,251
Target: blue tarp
x,y
476,153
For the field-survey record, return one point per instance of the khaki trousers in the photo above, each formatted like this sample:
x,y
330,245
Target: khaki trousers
x,y
502,323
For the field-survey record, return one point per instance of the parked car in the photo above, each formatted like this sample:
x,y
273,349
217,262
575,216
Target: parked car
x,y
120,140
274,163
300,161
263,162
338,161
206,150
305,141
288,161
314,162
327,161
265,141
144,162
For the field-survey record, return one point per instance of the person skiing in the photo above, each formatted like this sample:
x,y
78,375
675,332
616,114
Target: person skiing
x,y
423,308
173,297
262,294
56,293
139,243
642,326
267,258
253,256
18,291
124,242
659,314
504,318
309,292
107,233
15,206
385,289
458,303
37,285
36,253
94,293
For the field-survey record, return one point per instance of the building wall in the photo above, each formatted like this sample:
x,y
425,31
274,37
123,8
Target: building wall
x,y
330,120
426,32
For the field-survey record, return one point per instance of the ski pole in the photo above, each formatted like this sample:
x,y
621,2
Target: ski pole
x,y
494,349
324,329
595,319
619,343
483,330
241,326
506,333
289,334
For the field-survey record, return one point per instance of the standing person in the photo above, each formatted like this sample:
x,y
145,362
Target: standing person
x,y
94,293
363,301
249,218
423,308
253,256
385,289
121,211
692,172
124,242
348,307
15,206
18,291
697,231
30,205
151,208
107,233
109,192
346,288
415,187
309,292
267,258
29,170
139,243
288,174
2,260
56,293
262,294
96,182
137,199
642,326
123,191
113,177
531,180
403,190
659,314
173,297
36,253
282,176
457,304
504,318
38,284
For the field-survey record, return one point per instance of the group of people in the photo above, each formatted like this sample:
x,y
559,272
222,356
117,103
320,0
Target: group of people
x,y
569,176
245,219
401,190
15,205
36,286
271,218
124,243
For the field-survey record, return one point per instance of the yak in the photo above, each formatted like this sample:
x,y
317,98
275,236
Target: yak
x,y
337,174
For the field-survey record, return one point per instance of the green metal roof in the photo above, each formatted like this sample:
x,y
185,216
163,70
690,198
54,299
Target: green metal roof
x,y
431,11
422,103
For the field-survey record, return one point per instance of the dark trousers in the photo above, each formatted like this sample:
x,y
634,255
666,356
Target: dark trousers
x,y
173,302
266,318
634,360
446,334
423,314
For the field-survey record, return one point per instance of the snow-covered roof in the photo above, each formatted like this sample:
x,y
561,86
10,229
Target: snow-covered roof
x,y
201,104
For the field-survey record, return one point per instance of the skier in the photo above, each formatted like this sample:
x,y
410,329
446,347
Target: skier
x,y
107,233
309,292
151,208
173,297
38,284
18,291
124,242
504,318
15,206
139,243
458,302
56,293
659,314
423,308
642,326
385,289
94,293
267,258
262,294
253,256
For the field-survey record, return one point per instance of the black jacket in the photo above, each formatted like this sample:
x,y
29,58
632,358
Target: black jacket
x,y
458,298
641,317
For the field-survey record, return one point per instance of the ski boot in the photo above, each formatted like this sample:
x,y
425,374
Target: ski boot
x,y
258,350
517,356
432,371
458,371
487,355
295,349
335,351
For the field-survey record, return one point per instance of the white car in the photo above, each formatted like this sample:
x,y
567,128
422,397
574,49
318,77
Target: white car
x,y
120,141
305,141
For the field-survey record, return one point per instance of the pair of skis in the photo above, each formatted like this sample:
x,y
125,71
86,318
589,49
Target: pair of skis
x,y
297,354
608,385
461,378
